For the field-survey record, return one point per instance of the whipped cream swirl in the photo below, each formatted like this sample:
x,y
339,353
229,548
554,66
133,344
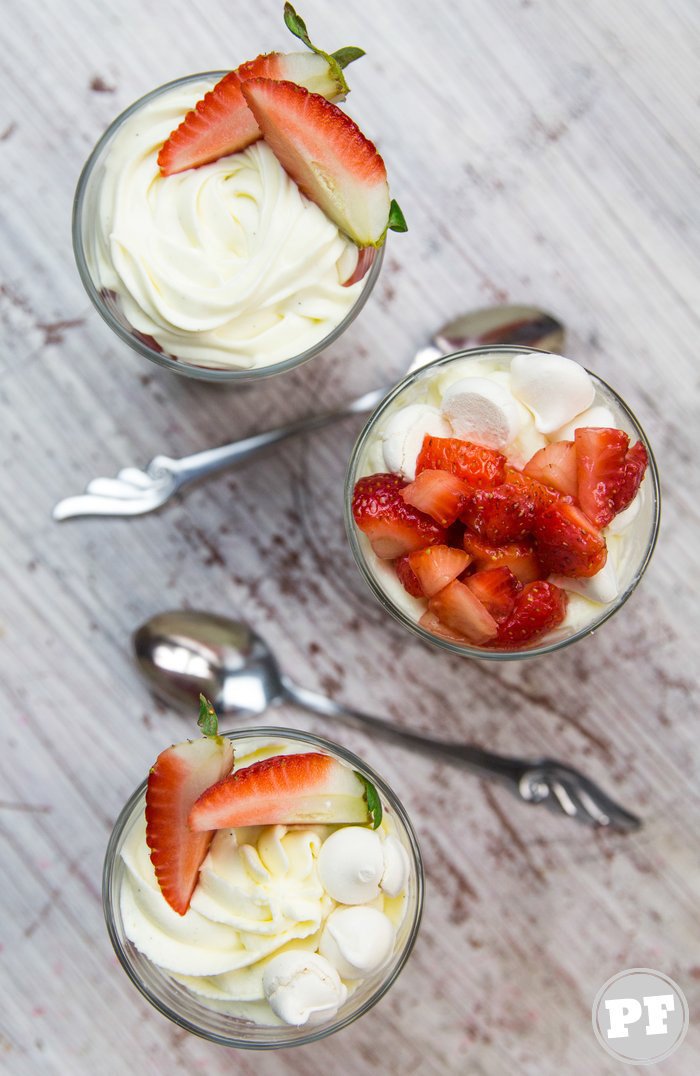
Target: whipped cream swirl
x,y
227,265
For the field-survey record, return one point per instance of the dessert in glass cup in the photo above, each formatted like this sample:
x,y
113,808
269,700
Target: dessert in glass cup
x,y
502,502
262,888
229,226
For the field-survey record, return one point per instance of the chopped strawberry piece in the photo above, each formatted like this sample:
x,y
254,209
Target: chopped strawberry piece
x,y
221,123
326,154
601,455
392,526
481,467
520,557
503,514
459,609
179,776
431,623
284,789
407,577
555,466
437,566
567,543
636,462
438,493
539,607
497,589
365,261
542,495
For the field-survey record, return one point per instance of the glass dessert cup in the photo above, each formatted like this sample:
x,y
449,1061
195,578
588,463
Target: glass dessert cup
x,y
380,575
106,301
208,1018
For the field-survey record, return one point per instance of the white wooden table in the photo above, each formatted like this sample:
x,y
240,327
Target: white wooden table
x,y
544,152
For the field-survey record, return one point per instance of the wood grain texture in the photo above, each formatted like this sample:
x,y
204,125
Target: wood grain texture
x,y
541,151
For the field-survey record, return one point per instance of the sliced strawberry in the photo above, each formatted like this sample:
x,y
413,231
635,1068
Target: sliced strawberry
x,y
497,589
437,566
567,543
221,123
520,557
542,495
327,156
503,514
407,577
285,789
481,467
539,607
365,261
555,466
459,609
179,777
392,526
431,623
636,462
440,494
600,455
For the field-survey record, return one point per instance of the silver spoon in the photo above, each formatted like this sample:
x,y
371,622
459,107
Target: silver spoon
x,y
134,492
185,652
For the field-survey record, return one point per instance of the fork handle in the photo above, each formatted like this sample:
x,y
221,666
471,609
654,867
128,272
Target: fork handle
x,y
200,464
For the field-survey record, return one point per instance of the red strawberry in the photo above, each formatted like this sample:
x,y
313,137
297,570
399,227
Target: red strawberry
x,y
567,543
520,557
392,526
438,493
539,607
497,589
503,514
365,261
431,623
287,789
459,609
600,456
480,467
542,495
327,156
407,577
636,462
221,123
179,776
437,566
555,466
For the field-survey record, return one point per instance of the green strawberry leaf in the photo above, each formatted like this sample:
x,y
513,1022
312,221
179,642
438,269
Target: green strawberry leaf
x,y
336,61
208,721
374,804
344,57
397,221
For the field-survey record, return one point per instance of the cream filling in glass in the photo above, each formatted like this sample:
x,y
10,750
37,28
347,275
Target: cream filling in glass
x,y
625,537
259,895
227,265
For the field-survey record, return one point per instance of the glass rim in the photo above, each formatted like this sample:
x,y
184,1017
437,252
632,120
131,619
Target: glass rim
x,y
181,366
111,864
398,614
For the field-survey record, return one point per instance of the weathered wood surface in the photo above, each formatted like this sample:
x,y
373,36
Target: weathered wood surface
x,y
542,152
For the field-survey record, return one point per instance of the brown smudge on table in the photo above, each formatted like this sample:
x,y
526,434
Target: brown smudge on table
x,y
54,331
98,85
8,132
515,838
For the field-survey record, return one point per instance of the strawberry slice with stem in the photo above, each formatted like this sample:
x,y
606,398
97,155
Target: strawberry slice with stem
x,y
177,779
221,122
288,790
327,156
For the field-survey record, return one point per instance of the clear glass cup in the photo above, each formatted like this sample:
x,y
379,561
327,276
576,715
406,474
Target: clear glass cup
x,y
107,303
646,524
188,1010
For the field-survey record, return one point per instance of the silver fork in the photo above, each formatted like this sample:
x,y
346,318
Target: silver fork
x,y
134,492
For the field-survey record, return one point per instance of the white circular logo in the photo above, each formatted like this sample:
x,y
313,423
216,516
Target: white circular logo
x,y
640,1016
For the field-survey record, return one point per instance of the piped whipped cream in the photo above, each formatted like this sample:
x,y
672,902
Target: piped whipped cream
x,y
520,388
251,941
227,265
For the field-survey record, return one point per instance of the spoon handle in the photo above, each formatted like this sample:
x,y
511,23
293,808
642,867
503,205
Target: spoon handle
x,y
560,787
